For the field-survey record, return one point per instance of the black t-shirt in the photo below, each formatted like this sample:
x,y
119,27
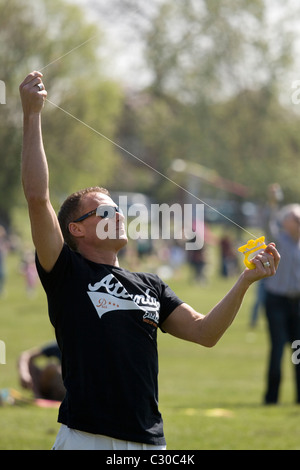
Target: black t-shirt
x,y
106,321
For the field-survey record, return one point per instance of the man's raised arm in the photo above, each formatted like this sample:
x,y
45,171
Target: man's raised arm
x,y
46,233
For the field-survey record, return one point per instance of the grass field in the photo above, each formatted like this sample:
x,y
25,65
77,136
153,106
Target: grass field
x,y
210,398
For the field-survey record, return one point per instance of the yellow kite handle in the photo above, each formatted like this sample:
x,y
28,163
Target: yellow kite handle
x,y
252,247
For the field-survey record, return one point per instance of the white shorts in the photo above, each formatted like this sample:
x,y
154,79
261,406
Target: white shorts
x,y
71,439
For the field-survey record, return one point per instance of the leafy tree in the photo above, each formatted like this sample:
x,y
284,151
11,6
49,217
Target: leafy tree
x,y
214,93
255,142
53,36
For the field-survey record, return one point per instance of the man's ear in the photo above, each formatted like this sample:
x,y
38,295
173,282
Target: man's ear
x,y
75,229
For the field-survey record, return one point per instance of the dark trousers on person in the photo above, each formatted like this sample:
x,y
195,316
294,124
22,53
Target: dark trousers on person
x,y
283,315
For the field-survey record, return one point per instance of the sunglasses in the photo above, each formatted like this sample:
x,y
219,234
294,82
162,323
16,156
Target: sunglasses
x,y
104,211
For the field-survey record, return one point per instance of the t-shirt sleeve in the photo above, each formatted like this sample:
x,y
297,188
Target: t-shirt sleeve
x,y
53,281
51,278
168,301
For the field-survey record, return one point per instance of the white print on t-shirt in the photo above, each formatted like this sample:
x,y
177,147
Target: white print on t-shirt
x,y
109,294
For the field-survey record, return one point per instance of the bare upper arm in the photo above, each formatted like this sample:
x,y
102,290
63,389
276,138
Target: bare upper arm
x,y
46,233
183,323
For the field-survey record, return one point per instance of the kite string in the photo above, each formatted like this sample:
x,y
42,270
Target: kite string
x,y
147,164
69,52
127,151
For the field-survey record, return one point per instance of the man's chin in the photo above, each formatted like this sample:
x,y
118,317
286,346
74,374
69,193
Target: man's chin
x,y
121,239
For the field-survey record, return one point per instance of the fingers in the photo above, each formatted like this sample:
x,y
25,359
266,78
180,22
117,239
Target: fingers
x,y
267,261
264,265
33,93
271,250
33,78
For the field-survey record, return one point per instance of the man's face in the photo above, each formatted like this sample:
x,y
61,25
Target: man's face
x,y
292,225
109,227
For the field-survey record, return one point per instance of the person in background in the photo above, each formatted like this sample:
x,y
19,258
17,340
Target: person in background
x,y
28,269
282,293
274,200
3,251
44,380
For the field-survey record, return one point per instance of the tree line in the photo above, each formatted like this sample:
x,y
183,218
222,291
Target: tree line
x,y
213,98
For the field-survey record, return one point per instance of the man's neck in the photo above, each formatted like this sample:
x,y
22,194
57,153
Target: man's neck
x,y
100,257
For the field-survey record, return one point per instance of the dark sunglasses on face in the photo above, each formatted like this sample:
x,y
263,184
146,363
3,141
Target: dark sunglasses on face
x,y
103,211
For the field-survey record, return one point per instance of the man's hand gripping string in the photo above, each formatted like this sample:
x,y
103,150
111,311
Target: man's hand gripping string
x,y
264,259
33,93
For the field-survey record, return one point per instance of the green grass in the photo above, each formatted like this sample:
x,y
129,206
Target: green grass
x,y
210,398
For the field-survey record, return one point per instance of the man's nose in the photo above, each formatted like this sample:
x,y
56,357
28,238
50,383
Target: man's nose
x,y
120,216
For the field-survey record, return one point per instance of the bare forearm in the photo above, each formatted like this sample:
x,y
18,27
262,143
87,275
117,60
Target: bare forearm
x,y
45,229
34,162
217,321
188,324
